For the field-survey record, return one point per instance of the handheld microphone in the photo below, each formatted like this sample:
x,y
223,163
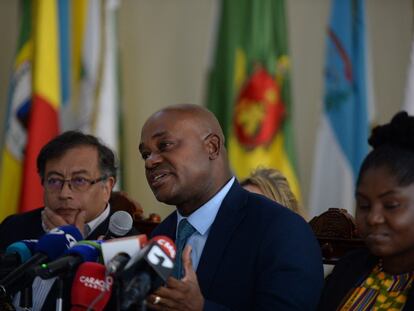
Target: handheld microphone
x,y
129,245
149,270
91,288
120,224
50,246
115,266
73,257
117,252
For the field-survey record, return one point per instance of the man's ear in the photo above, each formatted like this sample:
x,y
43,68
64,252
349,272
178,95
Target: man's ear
x,y
213,145
109,185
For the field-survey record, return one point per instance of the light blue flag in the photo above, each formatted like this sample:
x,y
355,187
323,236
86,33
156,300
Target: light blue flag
x,y
343,134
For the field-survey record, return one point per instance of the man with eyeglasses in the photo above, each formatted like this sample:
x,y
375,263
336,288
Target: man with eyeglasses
x,y
78,173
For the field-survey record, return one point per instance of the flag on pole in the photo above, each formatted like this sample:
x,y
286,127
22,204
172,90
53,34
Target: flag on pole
x,y
46,101
48,93
19,103
99,113
249,87
343,132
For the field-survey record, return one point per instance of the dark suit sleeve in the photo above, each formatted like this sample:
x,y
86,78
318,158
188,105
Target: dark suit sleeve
x,y
211,306
19,227
3,234
290,270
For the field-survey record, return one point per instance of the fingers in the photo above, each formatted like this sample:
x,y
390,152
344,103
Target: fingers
x,y
189,273
153,302
51,219
159,301
80,221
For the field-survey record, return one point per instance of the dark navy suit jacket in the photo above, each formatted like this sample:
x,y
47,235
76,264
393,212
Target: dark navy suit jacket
x,y
259,255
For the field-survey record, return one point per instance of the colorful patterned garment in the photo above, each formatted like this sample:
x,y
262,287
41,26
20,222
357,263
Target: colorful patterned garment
x,y
379,291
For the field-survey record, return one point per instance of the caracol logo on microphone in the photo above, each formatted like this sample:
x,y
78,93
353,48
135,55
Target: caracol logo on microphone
x,y
96,283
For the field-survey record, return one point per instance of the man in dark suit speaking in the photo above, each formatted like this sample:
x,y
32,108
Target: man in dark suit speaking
x,y
78,173
244,252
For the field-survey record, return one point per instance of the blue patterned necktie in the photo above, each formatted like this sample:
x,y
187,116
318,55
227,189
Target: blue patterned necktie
x,y
184,231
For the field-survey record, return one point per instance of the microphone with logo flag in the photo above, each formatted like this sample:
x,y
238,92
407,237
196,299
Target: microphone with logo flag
x,y
147,271
91,287
50,246
117,252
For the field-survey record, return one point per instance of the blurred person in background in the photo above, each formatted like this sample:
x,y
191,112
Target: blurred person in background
x,y
381,276
273,184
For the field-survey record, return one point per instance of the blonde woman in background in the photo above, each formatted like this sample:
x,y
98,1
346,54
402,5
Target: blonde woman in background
x,y
273,184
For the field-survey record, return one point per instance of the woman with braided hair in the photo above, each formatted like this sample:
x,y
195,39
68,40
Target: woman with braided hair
x,y
381,276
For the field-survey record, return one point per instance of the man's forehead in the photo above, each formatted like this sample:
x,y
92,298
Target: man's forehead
x,y
168,123
80,158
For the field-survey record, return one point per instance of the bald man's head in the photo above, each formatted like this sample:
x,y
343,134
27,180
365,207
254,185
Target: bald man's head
x,y
202,118
185,157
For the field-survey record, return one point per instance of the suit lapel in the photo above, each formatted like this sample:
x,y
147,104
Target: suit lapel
x,y
232,211
167,227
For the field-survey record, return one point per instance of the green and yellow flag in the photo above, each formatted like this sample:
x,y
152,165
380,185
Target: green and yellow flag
x,y
249,87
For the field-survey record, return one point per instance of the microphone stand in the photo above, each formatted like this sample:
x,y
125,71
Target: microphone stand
x,y
117,295
26,298
59,298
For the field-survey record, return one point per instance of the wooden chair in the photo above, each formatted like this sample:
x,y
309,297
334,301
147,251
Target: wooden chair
x,y
121,201
337,234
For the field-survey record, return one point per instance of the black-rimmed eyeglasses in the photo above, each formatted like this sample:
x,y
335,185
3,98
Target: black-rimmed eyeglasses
x,y
79,184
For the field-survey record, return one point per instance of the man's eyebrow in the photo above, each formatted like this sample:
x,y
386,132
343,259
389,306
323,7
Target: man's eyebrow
x,y
82,171
54,173
156,135
159,134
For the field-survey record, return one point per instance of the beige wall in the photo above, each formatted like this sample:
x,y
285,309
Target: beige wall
x,y
165,50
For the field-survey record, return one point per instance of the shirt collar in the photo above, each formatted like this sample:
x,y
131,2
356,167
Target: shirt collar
x,y
93,224
203,217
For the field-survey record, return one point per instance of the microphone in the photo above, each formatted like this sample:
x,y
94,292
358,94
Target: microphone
x,y
117,264
74,256
16,254
120,224
50,246
148,271
91,288
117,252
